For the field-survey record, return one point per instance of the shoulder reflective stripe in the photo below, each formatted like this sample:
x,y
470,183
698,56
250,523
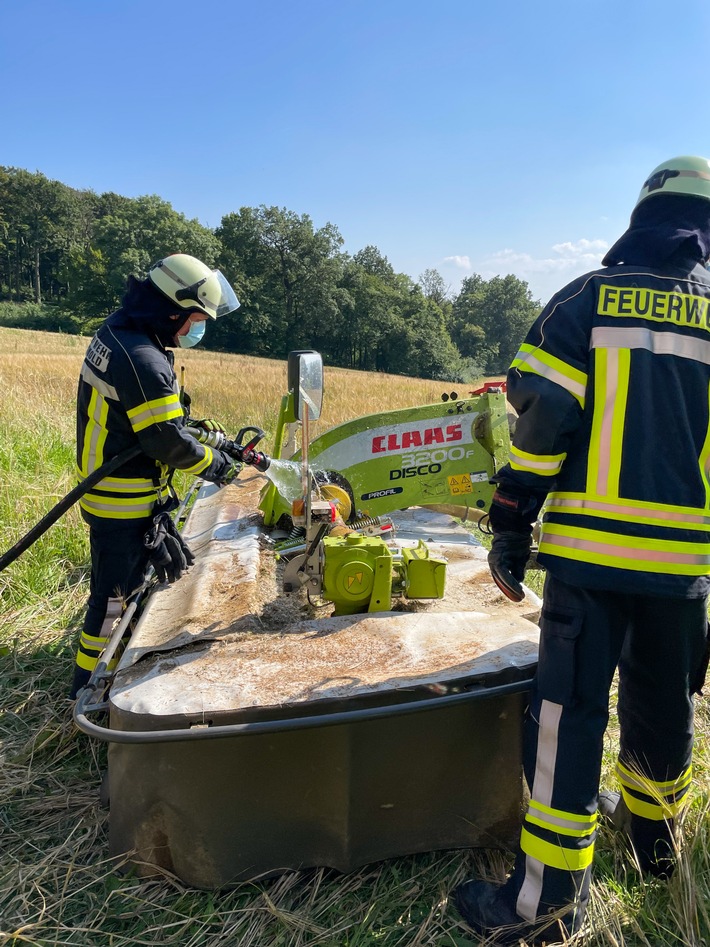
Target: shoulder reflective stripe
x,y
654,305
533,359
660,343
201,464
631,510
547,465
95,432
635,553
555,856
153,412
108,391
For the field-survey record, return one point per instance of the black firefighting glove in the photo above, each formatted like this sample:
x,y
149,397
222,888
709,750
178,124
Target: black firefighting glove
x,y
511,519
168,553
209,424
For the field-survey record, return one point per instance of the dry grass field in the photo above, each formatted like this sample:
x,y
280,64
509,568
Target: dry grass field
x,y
57,883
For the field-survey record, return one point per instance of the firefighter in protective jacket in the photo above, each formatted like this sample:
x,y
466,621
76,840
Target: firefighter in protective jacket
x,y
612,390
128,395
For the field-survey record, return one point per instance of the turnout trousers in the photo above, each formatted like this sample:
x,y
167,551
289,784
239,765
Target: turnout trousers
x,y
118,562
659,647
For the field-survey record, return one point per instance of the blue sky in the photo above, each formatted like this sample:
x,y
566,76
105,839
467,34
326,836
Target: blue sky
x,y
488,137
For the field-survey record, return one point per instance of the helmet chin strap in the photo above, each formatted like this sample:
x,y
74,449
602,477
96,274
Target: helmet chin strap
x,y
182,318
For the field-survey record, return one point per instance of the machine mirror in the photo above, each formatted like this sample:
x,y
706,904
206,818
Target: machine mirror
x,y
305,380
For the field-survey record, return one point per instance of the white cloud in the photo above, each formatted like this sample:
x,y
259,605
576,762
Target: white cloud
x,y
461,262
545,275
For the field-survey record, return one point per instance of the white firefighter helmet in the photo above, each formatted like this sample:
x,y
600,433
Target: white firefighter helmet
x,y
193,285
686,174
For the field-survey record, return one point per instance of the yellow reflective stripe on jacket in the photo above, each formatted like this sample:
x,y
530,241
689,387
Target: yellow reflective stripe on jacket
x,y
556,856
547,465
201,464
95,433
660,343
636,511
611,385
120,507
125,484
704,459
153,412
531,358
619,551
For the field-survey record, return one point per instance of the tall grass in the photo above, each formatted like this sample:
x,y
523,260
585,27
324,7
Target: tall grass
x,y
57,885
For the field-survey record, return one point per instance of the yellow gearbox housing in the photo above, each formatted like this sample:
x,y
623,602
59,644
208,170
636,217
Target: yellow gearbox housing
x,y
360,573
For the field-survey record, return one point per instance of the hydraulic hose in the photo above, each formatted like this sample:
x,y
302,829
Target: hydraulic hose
x,y
69,500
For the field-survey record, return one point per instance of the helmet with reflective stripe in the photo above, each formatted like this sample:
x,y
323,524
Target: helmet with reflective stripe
x,y
686,174
193,285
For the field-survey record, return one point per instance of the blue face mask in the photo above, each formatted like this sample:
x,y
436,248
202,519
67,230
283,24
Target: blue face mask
x,y
193,335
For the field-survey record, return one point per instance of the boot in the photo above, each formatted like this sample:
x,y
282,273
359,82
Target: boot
x,y
81,679
484,908
651,843
613,807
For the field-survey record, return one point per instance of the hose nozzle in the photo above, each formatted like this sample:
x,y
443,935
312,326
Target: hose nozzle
x,y
256,458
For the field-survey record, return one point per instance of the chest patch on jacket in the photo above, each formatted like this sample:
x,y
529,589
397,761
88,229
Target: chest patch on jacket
x,y
98,355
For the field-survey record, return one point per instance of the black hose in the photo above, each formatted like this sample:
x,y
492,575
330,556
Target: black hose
x,y
69,500
82,707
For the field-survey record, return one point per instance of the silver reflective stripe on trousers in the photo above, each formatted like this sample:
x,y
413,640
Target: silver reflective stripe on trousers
x,y
541,791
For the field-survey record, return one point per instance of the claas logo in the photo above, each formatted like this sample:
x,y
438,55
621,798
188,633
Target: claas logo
x,y
406,440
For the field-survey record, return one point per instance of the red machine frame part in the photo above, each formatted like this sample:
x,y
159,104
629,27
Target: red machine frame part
x,y
491,386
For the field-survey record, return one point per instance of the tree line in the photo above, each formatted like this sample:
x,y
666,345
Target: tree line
x,y
65,254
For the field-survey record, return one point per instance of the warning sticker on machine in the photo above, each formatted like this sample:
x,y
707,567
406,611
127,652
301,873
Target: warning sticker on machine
x,y
463,483
459,484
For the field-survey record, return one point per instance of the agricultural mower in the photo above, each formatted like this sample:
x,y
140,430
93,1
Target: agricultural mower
x,y
303,694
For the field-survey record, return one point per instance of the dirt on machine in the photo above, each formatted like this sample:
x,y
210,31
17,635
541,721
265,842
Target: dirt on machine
x,y
337,679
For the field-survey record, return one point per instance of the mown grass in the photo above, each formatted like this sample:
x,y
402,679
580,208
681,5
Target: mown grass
x,y
57,884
